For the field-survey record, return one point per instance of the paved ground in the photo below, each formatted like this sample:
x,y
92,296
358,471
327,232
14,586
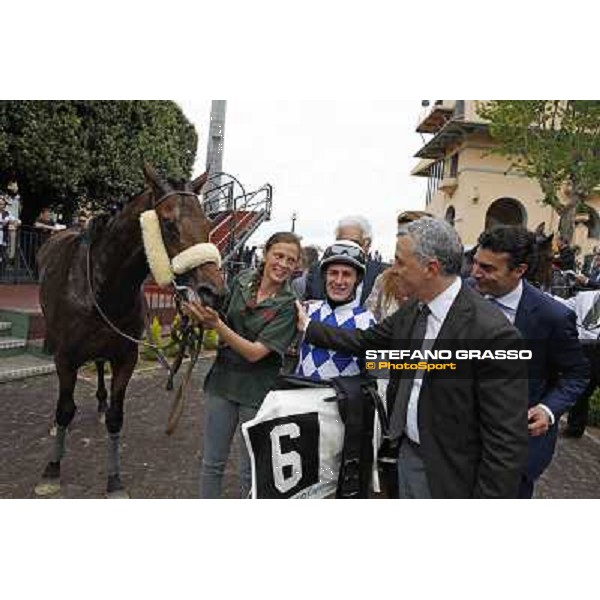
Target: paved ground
x,y
155,465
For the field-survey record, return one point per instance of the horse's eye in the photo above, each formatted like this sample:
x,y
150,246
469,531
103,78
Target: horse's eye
x,y
170,229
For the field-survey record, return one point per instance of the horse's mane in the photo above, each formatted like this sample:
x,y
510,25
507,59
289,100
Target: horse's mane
x,y
98,225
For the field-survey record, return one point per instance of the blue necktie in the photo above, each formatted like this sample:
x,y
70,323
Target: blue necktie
x,y
507,310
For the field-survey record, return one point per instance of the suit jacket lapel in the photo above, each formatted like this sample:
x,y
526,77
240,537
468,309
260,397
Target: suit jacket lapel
x,y
527,306
458,316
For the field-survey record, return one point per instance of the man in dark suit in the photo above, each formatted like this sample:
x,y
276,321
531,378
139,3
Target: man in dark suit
x,y
458,437
356,229
558,373
593,281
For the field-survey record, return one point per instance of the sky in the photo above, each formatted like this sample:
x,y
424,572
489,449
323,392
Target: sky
x,y
324,158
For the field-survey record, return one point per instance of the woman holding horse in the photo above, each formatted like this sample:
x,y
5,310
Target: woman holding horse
x,y
258,326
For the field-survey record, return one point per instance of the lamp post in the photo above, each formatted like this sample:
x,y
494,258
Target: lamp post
x,y
294,217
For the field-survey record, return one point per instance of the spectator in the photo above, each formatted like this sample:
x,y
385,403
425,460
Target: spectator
x,y
558,371
565,259
592,282
387,295
14,201
356,229
310,257
45,221
586,306
8,231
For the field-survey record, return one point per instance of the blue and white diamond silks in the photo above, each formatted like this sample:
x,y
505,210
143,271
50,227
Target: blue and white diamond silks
x,y
321,363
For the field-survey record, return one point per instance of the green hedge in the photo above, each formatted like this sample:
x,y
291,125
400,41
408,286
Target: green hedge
x,y
594,416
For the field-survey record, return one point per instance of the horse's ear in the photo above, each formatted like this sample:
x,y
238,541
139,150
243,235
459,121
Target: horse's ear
x,y
153,179
199,182
539,230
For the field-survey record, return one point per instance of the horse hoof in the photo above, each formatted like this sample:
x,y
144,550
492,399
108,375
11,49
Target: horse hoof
x,y
52,431
118,495
47,487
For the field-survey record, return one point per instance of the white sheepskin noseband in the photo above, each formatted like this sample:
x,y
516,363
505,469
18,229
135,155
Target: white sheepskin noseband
x,y
194,256
161,267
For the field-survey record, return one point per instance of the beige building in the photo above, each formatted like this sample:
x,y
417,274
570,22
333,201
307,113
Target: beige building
x,y
475,189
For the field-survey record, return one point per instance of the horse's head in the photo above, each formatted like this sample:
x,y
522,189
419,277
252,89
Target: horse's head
x,y
183,225
540,271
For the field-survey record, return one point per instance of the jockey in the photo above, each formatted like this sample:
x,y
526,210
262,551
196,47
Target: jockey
x,y
342,269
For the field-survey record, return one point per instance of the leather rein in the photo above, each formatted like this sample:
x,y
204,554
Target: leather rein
x,y
188,336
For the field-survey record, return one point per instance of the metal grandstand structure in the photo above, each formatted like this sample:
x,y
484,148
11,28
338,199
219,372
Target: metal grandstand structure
x,y
236,213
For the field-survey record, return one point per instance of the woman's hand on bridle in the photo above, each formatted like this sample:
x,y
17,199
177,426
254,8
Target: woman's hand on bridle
x,y
206,316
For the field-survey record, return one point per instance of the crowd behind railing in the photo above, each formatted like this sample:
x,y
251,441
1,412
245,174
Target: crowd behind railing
x,y
20,243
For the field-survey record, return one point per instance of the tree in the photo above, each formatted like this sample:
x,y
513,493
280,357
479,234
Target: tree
x,y
64,152
556,142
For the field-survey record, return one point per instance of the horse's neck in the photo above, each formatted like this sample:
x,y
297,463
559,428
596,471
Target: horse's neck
x,y
119,261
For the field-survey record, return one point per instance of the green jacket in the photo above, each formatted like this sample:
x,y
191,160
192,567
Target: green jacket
x,y
273,323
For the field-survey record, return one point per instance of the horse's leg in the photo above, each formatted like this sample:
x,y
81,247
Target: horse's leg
x,y
101,393
65,411
122,371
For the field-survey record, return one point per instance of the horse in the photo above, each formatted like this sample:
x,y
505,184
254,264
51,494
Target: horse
x,y
90,294
540,272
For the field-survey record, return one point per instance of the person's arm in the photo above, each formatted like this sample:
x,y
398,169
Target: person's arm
x,y
502,389
251,351
353,341
39,225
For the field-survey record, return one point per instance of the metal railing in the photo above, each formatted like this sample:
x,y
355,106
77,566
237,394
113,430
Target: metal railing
x,y
228,195
160,304
18,254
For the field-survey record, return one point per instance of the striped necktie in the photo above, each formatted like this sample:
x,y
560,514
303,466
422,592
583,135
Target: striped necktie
x,y
593,315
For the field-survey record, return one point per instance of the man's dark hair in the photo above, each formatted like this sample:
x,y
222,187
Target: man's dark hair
x,y
515,241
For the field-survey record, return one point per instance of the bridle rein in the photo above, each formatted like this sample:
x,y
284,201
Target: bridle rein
x,y
188,335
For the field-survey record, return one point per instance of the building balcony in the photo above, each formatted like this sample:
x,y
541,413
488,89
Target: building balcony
x,y
448,185
423,167
435,117
448,137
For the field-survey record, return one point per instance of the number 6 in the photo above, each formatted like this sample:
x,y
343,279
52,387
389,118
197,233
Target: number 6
x,y
281,460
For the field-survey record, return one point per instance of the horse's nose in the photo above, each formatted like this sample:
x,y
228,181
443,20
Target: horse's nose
x,y
209,295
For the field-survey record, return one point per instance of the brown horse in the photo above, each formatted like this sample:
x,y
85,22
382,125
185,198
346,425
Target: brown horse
x,y
540,271
90,293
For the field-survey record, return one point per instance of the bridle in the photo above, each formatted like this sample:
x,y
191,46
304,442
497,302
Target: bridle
x,y
174,193
161,357
190,337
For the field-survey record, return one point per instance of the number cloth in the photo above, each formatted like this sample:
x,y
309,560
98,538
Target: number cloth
x,y
295,444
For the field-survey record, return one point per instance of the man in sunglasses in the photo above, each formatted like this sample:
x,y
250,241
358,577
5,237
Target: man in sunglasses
x,y
342,269
358,230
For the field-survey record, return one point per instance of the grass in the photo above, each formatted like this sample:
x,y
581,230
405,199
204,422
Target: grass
x,y
594,415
